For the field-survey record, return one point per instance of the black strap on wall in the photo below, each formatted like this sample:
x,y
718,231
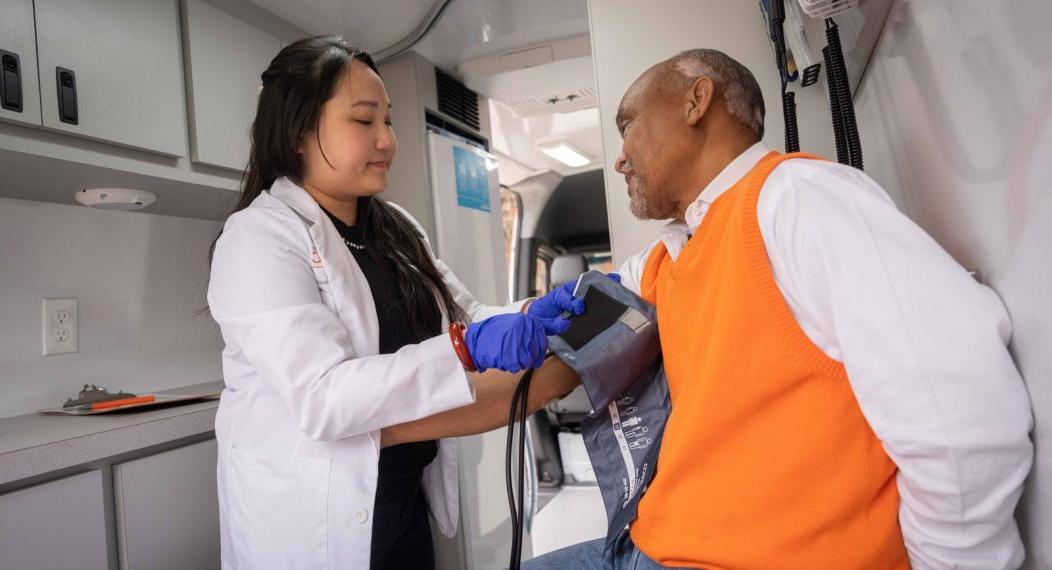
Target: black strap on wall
x,y
841,105
777,23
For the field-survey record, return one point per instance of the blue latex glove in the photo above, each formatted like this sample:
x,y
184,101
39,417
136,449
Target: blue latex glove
x,y
511,342
549,308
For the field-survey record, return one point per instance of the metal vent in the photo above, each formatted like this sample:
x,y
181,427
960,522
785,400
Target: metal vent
x,y
584,98
456,100
527,105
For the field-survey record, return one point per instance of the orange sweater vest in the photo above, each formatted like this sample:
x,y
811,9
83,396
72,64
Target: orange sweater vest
x,y
766,461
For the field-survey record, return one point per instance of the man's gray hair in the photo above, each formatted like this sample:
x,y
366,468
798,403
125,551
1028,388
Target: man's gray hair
x,y
740,89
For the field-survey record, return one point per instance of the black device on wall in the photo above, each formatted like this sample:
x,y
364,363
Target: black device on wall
x,y
777,33
841,104
11,84
66,85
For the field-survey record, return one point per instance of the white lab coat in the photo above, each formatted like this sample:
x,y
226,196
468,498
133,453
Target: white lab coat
x,y
307,394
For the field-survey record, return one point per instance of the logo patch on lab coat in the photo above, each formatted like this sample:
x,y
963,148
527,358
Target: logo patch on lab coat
x,y
315,258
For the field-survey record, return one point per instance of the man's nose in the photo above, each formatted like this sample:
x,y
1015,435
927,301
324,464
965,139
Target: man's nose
x,y
621,162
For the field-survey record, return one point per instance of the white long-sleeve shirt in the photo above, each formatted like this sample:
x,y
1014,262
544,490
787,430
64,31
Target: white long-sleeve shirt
x,y
923,344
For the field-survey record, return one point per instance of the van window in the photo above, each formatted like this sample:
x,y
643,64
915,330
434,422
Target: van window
x,y
602,262
511,216
541,283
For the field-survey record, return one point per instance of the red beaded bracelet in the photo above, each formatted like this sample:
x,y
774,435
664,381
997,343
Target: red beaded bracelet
x,y
456,336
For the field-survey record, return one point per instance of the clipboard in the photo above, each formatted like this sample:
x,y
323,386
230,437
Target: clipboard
x,y
157,401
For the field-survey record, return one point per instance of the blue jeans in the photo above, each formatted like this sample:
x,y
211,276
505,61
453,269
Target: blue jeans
x,y
593,555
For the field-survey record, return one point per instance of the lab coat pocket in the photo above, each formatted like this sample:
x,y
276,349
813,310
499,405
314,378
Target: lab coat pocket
x,y
278,510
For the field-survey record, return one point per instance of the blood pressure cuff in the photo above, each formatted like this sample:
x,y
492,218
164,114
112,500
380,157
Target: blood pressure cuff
x,y
614,348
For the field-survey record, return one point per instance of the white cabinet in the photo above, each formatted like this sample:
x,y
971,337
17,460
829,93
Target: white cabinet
x,y
60,524
18,52
123,57
159,95
167,510
224,59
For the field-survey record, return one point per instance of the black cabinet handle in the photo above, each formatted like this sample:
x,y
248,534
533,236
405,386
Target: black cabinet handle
x,y
11,81
66,84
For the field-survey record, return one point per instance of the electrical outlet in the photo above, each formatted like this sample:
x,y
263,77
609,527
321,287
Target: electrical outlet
x,y
60,326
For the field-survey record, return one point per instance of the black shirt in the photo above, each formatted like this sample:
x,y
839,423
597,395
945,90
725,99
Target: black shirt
x,y
401,466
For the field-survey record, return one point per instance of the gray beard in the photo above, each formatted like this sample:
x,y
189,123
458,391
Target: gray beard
x,y
638,204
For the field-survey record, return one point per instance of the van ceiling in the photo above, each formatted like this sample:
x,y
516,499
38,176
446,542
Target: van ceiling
x,y
471,29
466,30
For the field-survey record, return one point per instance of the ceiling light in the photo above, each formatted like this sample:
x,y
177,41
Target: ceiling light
x,y
115,198
565,153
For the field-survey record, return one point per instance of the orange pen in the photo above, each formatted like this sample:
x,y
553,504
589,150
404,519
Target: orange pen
x,y
119,403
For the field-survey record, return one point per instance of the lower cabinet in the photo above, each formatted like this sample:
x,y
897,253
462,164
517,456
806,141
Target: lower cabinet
x,y
167,511
60,524
164,506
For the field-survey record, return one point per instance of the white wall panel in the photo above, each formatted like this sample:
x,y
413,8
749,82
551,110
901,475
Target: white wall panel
x,y
140,280
629,37
955,112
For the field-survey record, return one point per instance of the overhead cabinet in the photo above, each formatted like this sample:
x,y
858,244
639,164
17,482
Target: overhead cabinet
x,y
111,70
224,59
19,87
151,94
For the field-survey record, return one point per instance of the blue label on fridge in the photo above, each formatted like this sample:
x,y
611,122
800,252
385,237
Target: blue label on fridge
x,y
472,180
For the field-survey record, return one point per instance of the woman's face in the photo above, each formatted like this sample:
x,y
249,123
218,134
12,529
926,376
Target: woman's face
x,y
354,130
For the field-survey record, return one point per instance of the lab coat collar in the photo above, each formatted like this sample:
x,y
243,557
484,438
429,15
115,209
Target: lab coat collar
x,y
296,198
342,270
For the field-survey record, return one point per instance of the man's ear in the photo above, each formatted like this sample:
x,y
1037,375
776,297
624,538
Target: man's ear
x,y
697,100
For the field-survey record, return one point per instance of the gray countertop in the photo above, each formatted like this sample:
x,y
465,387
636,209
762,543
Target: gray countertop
x,y
34,445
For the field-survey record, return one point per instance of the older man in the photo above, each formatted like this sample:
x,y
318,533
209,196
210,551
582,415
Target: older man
x,y
842,396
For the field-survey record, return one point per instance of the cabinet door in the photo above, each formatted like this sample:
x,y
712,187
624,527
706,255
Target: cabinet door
x,y
224,59
125,60
18,49
61,524
167,510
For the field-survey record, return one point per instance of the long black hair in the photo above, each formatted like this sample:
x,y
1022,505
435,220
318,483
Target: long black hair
x,y
299,80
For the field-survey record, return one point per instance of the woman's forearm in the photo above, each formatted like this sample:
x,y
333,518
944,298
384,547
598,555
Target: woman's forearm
x,y
493,392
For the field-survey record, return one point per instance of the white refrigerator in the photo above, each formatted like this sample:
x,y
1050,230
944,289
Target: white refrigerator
x,y
469,238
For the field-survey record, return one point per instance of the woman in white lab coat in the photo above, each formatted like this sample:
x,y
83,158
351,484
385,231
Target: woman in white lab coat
x,y
340,377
